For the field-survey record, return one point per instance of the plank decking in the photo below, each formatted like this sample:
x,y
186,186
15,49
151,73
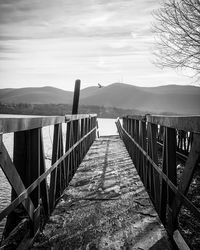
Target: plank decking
x,y
105,206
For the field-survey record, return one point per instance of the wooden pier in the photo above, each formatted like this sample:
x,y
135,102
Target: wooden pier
x,y
103,203
105,206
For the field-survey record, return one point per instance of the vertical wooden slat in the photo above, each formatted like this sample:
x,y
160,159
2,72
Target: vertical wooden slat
x,y
144,146
72,155
163,185
53,178
82,134
34,172
43,185
154,156
149,169
137,140
67,146
62,164
59,181
33,166
75,136
172,175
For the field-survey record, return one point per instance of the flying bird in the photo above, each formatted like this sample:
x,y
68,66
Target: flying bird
x,y
99,85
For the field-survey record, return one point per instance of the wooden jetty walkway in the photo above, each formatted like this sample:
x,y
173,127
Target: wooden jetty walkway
x,y
105,206
101,203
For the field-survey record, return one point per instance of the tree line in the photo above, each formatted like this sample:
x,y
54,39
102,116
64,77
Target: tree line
x,y
62,109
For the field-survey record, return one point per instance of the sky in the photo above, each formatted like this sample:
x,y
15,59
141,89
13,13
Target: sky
x,y
55,42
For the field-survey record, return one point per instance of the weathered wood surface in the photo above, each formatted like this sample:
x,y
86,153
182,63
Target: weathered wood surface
x,y
12,123
105,206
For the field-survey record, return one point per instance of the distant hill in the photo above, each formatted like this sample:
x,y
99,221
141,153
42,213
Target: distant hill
x,y
169,98
42,95
164,99
89,91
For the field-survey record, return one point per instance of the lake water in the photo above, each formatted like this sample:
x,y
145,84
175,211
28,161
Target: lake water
x,y
106,127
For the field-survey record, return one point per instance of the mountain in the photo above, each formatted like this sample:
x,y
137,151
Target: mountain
x,y
89,91
163,99
41,95
169,98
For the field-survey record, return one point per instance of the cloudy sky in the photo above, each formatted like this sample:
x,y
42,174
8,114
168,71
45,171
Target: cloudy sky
x,y
54,42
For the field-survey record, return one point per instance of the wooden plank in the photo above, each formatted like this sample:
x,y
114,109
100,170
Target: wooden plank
x,y
14,123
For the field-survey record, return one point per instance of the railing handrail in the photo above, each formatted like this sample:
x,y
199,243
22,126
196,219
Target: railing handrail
x,y
187,123
15,123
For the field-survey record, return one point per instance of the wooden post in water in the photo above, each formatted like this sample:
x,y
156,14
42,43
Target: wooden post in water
x,y
76,97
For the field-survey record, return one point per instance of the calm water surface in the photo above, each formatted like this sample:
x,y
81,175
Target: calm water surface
x,y
106,127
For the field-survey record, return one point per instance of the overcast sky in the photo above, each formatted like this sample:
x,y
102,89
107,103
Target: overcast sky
x,y
54,42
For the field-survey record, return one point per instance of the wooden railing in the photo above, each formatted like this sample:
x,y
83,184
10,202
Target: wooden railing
x,y
157,166
32,198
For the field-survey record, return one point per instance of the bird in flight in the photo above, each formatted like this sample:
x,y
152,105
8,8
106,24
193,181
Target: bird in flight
x,y
99,85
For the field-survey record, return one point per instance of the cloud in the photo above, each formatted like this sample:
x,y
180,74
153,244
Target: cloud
x,y
66,39
66,18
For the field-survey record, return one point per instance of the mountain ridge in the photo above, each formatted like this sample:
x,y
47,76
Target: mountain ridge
x,y
181,99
